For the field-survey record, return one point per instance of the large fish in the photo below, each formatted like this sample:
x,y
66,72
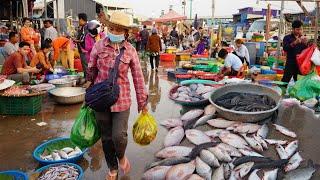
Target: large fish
x,y
203,169
272,164
270,175
181,171
218,174
232,151
253,143
220,123
210,109
281,152
158,172
174,151
174,137
247,128
220,154
294,162
263,131
170,162
203,120
285,131
193,114
291,148
304,173
233,140
209,158
197,137
171,123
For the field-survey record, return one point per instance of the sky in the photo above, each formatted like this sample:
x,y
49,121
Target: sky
x,y
152,8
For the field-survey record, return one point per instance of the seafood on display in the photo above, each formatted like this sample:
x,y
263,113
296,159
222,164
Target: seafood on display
x,y
62,172
65,153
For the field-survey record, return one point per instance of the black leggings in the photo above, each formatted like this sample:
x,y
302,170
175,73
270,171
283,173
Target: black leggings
x,y
157,58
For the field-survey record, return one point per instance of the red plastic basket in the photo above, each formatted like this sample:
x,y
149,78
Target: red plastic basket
x,y
167,57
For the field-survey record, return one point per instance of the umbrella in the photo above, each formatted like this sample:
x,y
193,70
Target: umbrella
x,y
196,23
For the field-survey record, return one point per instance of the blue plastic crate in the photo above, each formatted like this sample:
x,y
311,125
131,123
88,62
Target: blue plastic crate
x,y
16,174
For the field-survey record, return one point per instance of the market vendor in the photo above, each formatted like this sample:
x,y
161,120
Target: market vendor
x,y
41,59
293,44
62,50
242,51
232,63
15,66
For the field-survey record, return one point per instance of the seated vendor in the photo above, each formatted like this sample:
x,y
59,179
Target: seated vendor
x,y
41,59
15,66
232,63
201,47
62,50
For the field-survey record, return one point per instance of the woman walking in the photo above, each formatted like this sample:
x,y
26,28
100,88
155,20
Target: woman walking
x,y
154,46
114,121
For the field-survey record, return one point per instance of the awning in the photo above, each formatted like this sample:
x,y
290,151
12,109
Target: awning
x,y
254,16
170,16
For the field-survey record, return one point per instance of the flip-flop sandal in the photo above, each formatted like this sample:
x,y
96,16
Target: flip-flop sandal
x,y
112,176
126,167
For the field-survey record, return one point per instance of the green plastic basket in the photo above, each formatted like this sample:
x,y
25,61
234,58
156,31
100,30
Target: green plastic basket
x,y
20,105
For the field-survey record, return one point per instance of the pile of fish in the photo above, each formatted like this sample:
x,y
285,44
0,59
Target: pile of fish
x,y
65,153
192,93
247,102
61,172
229,150
17,91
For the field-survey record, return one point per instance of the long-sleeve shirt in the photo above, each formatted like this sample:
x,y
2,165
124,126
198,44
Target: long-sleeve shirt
x,y
154,43
40,59
50,33
102,59
243,52
27,34
89,43
292,50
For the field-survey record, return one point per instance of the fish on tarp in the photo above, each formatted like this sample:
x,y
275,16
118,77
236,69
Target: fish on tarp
x,y
260,140
203,120
181,171
220,123
232,151
174,136
233,140
253,143
263,131
171,123
218,174
198,148
215,132
247,128
203,169
209,158
304,173
246,159
220,154
209,110
291,148
174,151
192,114
158,172
197,137
285,131
294,162
243,169
169,162
270,175
281,152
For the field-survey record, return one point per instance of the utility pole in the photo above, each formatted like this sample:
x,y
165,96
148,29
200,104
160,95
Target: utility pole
x,y
190,9
281,28
184,7
317,22
45,9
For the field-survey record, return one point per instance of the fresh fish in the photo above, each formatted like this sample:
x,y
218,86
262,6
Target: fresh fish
x,y
174,136
181,171
253,143
67,150
285,131
73,153
233,140
220,123
291,148
218,174
210,109
193,114
261,141
270,175
243,169
215,132
203,120
174,151
195,177
226,170
203,169
274,141
197,149
254,175
281,152
158,172
56,156
59,171
171,123
197,137
263,131
272,164
170,162
246,159
63,154
304,173
294,162
209,158
233,126
220,154
247,152
232,151
247,128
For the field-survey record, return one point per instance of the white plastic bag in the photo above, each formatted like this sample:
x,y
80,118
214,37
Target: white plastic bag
x,y
315,58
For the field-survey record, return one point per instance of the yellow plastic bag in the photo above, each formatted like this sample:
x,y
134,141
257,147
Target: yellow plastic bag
x,y
144,129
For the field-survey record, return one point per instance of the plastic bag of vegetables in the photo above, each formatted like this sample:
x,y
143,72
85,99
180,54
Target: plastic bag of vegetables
x,y
144,129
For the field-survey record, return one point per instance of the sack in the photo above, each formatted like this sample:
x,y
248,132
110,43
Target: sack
x,y
144,129
85,131
304,60
306,88
315,58
106,93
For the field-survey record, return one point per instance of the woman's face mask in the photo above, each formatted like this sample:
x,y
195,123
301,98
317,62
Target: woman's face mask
x,y
116,38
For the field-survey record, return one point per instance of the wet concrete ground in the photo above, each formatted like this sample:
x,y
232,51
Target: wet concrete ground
x,y
19,136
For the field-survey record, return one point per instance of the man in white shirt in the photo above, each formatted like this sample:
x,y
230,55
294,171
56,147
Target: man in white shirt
x,y
50,31
232,63
242,51
12,45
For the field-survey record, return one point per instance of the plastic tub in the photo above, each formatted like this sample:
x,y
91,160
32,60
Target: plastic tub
x,y
80,177
268,71
167,57
15,174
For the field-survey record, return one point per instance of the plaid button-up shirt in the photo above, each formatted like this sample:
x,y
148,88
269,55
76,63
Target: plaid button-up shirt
x,y
102,59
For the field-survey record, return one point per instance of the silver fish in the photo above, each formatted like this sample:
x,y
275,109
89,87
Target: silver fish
x,y
263,131
56,156
227,170
249,153
174,136
253,143
220,123
195,177
243,169
220,154
203,169
270,175
291,148
158,172
171,123
218,174
203,120
181,171
254,176
281,152
209,158
285,131
170,162
294,162
193,114
215,132
67,149
261,141
247,128
63,154
197,137
274,141
210,109
232,151
304,173
73,154
233,140
174,151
